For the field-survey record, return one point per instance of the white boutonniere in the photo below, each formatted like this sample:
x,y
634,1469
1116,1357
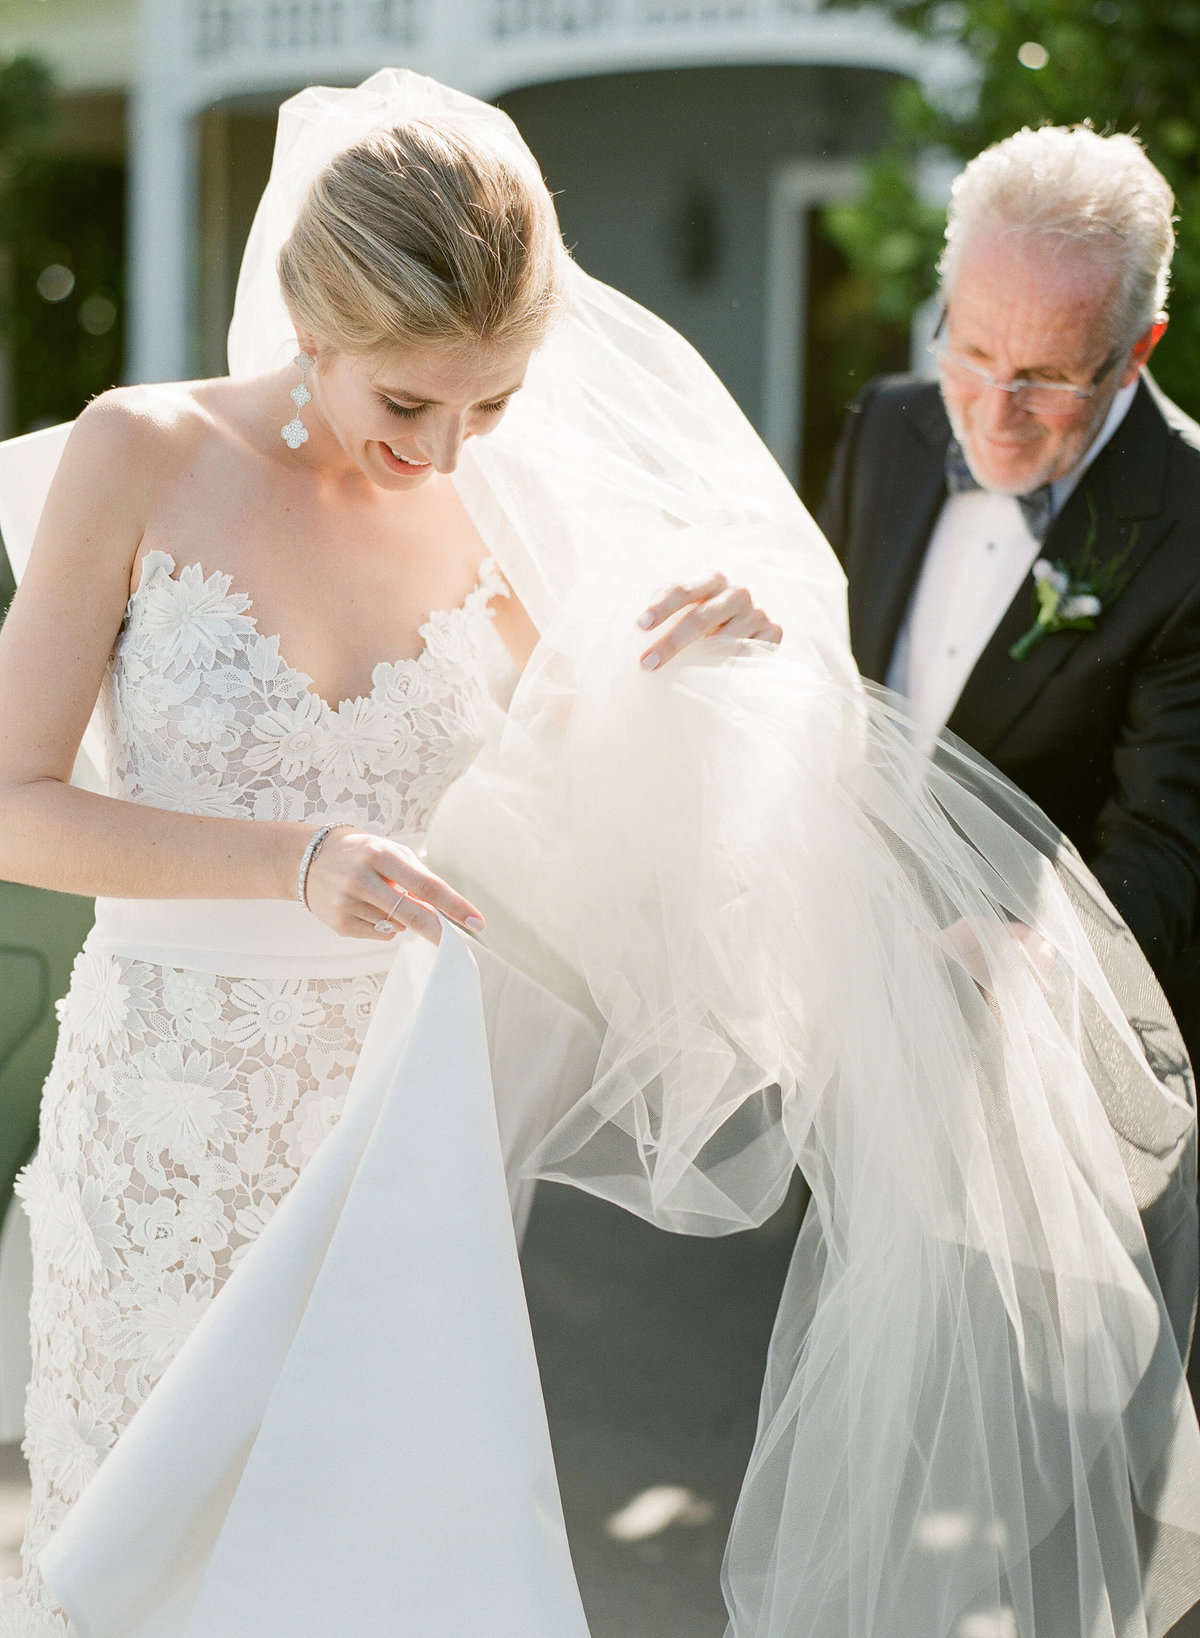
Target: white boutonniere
x,y
1072,596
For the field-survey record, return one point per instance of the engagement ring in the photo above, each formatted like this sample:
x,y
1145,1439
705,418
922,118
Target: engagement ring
x,y
387,925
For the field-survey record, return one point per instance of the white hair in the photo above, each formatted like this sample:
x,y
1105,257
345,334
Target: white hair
x,y
1068,187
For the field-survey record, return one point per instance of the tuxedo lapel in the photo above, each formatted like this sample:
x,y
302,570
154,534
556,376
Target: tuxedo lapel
x,y
899,531
1124,486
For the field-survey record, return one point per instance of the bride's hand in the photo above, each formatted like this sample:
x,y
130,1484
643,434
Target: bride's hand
x,y
713,608
366,886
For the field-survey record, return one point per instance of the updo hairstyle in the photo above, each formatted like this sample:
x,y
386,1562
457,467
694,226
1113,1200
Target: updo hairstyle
x,y
419,235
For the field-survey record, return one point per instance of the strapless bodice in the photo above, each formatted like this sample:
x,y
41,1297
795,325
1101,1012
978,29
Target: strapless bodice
x,y
204,715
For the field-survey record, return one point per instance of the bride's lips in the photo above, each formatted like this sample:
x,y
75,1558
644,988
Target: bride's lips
x,y
395,464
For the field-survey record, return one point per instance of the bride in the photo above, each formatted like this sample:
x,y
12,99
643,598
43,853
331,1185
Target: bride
x,y
726,919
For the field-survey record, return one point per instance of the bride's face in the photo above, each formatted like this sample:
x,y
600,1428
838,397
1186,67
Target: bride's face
x,y
404,414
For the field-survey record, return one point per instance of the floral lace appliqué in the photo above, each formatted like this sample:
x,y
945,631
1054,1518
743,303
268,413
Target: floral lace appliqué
x,y
205,716
180,1110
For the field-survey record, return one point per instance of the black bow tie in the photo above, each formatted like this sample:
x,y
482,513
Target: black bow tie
x,y
1037,506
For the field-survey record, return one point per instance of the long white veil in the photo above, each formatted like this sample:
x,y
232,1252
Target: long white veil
x,y
808,944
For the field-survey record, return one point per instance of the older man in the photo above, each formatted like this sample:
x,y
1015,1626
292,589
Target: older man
x,y
1044,443
1042,451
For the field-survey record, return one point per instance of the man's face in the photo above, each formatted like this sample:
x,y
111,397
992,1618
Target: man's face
x,y
1040,312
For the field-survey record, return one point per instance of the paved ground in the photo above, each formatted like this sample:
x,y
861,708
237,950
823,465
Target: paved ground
x,y
14,1495
652,1348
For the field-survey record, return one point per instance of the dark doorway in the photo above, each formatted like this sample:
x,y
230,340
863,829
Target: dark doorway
x,y
847,344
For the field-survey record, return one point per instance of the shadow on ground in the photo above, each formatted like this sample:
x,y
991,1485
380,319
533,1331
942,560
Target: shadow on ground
x,y
652,1349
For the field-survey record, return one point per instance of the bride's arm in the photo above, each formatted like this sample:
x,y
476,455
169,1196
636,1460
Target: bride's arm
x,y
54,646
514,628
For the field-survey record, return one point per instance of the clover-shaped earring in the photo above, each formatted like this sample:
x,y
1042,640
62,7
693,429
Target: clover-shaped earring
x,y
296,433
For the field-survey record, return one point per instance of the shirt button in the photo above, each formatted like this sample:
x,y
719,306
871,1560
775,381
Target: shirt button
x,y
952,652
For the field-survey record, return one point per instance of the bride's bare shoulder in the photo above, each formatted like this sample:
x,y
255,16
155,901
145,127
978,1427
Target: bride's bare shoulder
x,y
154,423
125,452
165,424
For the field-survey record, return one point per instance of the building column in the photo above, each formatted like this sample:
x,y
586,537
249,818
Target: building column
x,y
163,186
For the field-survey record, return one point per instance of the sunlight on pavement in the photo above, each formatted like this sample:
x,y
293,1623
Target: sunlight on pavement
x,y
997,1623
655,1510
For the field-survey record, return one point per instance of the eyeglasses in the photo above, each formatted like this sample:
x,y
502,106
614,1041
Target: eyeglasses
x,y
1037,397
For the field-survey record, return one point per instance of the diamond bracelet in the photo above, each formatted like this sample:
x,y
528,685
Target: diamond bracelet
x,y
315,843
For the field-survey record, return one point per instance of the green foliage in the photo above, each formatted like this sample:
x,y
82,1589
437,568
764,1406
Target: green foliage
x,y
67,213
1125,65
890,238
61,258
27,113
26,102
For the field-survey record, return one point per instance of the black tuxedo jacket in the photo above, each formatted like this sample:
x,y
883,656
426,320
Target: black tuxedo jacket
x,y
1100,728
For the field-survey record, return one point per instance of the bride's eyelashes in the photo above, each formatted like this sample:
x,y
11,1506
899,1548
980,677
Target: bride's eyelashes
x,y
409,412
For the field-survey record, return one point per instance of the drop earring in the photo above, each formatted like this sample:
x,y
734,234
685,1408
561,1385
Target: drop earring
x,y
296,433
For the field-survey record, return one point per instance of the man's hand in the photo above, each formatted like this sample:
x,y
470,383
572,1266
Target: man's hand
x,y
710,608
962,941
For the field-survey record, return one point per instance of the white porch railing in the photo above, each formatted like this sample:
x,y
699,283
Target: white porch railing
x,y
233,30
225,29
217,49
240,33
504,19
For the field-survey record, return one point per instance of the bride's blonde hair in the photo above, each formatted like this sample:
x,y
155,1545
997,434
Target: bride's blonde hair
x,y
419,235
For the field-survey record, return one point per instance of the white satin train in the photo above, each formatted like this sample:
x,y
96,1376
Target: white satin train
x,y
353,1440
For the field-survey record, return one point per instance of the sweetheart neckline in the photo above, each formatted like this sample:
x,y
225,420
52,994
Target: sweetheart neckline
x,y
489,571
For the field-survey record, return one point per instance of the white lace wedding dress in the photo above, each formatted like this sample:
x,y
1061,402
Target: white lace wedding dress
x,y
185,1100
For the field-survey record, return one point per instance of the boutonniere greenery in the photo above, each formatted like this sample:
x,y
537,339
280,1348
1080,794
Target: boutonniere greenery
x,y
1072,596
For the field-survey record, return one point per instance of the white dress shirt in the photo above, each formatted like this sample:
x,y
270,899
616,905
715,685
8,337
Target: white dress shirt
x,y
978,557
